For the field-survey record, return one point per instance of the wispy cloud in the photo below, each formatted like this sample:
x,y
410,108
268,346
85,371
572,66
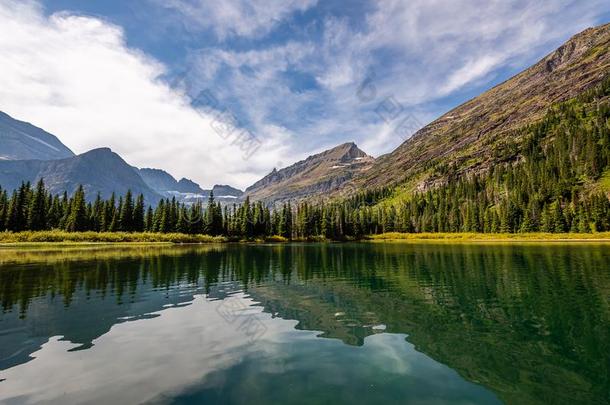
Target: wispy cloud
x,y
424,53
228,18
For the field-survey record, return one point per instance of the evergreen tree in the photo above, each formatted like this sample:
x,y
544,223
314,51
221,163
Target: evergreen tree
x,y
77,218
138,221
37,209
126,213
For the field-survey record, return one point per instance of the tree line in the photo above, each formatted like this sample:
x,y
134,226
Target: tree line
x,y
552,176
36,209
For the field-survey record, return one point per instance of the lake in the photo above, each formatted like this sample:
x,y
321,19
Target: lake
x,y
359,323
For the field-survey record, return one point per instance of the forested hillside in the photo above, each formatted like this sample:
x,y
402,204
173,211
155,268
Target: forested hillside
x,y
552,176
470,134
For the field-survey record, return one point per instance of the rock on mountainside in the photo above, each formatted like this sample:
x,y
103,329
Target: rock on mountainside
x,y
99,170
22,141
312,177
468,135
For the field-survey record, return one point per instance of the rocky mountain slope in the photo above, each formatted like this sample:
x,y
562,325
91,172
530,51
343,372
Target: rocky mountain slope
x,y
99,170
28,153
158,180
468,135
186,190
312,177
163,182
22,141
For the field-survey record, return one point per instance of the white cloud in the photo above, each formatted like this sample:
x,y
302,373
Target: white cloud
x,y
420,51
472,70
449,44
75,77
228,18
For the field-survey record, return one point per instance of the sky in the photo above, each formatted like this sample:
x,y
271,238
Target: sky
x,y
222,92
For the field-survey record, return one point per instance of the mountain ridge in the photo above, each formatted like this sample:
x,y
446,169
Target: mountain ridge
x,y
99,171
313,176
28,153
20,140
470,131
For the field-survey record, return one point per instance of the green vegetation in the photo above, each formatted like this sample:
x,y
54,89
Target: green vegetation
x,y
492,237
105,237
549,177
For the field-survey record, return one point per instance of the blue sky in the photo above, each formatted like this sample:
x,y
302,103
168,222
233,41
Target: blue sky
x,y
293,76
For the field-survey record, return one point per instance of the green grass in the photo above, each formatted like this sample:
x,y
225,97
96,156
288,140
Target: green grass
x,y
42,238
104,237
491,237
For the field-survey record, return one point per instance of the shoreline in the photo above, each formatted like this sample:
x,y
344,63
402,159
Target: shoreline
x,y
601,237
84,239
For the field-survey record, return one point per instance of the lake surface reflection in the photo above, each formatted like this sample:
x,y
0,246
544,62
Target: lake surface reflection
x,y
306,323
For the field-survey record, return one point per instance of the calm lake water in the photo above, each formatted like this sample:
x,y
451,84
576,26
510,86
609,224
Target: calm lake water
x,y
306,324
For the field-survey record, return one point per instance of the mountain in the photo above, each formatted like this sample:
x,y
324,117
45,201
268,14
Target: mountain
x,y
99,170
159,180
186,190
222,191
164,183
22,141
469,136
312,177
188,186
28,153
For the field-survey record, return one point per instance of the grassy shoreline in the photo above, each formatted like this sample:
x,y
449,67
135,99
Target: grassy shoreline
x,y
61,237
492,237
43,238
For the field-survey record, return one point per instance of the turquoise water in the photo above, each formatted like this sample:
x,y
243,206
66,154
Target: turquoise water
x,y
306,323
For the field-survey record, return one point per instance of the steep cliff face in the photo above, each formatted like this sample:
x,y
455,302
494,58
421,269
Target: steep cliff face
x,y
312,177
468,135
22,141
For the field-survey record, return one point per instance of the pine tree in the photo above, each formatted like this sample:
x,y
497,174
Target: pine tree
x,y
126,213
77,218
96,214
138,221
37,209
149,220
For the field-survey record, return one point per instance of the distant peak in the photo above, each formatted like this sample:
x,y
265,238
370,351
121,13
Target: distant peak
x,y
346,145
100,150
226,190
347,151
